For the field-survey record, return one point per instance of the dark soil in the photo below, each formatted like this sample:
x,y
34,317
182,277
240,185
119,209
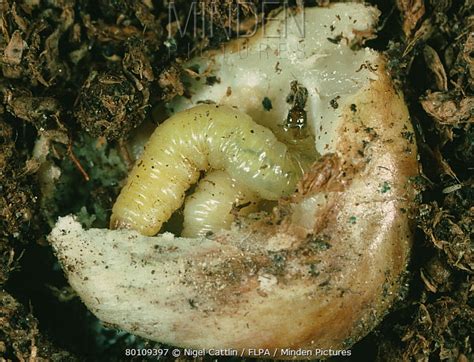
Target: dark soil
x,y
80,75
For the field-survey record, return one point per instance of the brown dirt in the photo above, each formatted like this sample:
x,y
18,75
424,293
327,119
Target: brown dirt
x,y
81,74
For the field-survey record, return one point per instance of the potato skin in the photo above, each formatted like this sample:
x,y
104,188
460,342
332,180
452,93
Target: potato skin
x,y
294,281
367,216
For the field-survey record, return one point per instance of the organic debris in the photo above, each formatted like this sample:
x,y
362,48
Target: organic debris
x,y
110,105
19,335
432,59
412,11
18,203
442,329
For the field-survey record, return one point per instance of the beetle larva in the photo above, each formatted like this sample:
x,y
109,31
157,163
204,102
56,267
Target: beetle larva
x,y
204,137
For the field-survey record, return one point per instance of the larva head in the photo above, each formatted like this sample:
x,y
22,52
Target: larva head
x,y
323,269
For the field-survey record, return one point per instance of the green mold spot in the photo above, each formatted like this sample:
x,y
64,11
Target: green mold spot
x,y
267,104
385,187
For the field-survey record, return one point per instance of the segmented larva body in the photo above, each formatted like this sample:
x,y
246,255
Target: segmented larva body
x,y
218,199
215,203
198,139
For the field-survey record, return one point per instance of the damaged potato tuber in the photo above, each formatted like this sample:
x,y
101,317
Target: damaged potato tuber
x,y
327,264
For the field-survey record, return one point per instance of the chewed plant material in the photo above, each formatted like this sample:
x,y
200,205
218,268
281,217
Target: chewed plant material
x,y
319,131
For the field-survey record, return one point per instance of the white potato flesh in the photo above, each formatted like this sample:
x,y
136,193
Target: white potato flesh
x,y
286,49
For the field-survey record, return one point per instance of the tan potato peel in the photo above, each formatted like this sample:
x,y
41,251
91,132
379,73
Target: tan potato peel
x,y
320,273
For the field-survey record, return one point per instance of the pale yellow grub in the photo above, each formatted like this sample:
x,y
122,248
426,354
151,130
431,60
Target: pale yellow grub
x,y
202,138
